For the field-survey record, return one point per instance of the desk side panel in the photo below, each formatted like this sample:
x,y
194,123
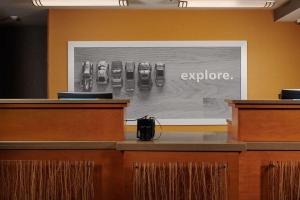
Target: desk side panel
x,y
233,124
62,124
273,124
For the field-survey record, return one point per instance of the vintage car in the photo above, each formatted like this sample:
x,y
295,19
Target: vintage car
x,y
160,74
87,76
130,76
102,73
116,74
144,76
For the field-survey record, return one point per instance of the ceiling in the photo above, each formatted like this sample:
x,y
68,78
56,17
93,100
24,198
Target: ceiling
x,y
31,15
288,12
28,13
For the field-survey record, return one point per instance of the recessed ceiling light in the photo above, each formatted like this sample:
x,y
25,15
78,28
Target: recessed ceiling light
x,y
227,3
81,3
14,17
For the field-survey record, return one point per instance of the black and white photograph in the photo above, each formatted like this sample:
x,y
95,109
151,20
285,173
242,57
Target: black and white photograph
x,y
172,81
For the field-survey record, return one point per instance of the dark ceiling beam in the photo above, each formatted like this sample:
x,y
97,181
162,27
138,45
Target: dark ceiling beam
x,y
286,9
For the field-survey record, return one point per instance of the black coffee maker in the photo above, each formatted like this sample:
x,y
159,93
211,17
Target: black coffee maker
x,y
145,128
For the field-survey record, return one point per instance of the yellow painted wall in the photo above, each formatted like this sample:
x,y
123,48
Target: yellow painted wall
x,y
273,48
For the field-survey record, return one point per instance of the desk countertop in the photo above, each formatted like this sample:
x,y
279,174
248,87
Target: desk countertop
x,y
176,142
203,141
182,141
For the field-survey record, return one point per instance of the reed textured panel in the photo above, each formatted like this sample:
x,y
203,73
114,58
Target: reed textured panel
x,y
46,180
180,181
282,180
177,99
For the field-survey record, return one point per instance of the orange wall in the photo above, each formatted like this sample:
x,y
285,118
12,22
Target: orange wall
x,y
273,48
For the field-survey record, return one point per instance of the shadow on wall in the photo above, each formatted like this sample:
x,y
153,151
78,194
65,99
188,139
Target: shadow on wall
x,y
23,61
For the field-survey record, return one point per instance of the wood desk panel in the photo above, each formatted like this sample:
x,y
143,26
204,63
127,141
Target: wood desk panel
x,y
251,171
269,124
231,158
96,120
265,120
61,124
108,176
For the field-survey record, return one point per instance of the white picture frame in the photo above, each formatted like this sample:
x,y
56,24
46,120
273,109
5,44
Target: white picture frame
x,y
243,84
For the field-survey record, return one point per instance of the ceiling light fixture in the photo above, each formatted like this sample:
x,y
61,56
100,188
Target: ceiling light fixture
x,y
10,19
80,3
226,3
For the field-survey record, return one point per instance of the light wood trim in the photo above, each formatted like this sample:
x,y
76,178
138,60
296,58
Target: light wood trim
x,y
150,146
179,146
273,146
58,145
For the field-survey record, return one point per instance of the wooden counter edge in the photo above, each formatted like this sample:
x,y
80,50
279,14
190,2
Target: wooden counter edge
x,y
58,145
121,146
150,146
180,146
273,146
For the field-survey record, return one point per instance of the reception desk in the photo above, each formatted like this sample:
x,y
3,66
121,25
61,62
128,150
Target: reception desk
x,y
247,163
243,167
116,161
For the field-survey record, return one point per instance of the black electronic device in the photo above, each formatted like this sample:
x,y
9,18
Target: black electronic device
x,y
145,128
290,94
84,95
